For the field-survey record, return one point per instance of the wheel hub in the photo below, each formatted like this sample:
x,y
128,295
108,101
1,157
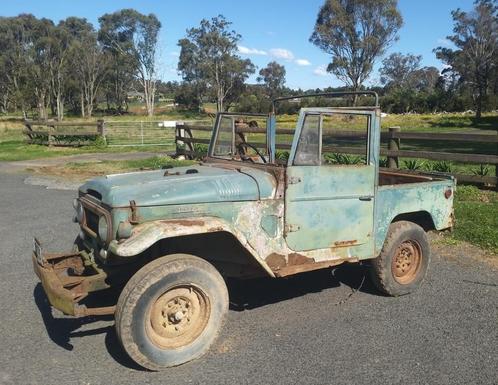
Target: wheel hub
x,y
406,262
178,317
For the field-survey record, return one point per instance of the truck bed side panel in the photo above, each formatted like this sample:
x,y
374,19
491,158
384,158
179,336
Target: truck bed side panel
x,y
394,200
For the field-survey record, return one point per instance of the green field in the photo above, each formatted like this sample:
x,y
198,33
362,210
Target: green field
x,y
476,213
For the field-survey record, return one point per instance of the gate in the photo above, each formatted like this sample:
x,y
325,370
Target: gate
x,y
140,133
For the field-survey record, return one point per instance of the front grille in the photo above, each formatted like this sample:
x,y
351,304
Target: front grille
x,y
92,221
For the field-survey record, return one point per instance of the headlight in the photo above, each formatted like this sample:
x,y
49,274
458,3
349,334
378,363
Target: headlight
x,y
103,228
80,211
124,230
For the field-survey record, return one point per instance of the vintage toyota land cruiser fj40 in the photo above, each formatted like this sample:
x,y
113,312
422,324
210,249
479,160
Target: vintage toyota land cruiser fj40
x,y
169,237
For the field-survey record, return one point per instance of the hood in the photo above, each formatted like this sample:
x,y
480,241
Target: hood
x,y
182,185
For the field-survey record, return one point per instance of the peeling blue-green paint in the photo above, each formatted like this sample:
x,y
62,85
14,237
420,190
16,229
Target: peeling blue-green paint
x,y
315,213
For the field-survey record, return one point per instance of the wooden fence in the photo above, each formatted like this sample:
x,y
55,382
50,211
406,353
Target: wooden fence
x,y
186,145
53,133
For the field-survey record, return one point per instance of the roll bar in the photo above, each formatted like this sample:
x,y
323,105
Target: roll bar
x,y
328,94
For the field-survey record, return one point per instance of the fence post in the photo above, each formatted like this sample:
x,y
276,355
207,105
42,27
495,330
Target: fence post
x,y
496,168
101,129
142,132
179,133
393,145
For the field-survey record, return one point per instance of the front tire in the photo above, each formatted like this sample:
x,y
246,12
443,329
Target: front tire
x,y
403,262
171,311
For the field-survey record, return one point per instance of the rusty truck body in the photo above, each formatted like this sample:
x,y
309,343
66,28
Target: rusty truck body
x,y
169,237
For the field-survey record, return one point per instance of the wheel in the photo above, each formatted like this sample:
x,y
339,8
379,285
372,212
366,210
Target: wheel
x,y
403,262
171,311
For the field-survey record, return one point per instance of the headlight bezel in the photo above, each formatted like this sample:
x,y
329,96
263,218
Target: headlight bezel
x,y
103,228
96,232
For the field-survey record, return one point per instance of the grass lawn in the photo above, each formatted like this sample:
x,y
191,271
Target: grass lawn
x,y
12,146
14,150
87,170
108,167
476,213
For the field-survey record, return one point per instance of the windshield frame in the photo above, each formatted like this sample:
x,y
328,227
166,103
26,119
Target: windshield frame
x,y
270,127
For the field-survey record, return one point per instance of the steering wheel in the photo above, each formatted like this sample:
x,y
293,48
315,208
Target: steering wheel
x,y
240,147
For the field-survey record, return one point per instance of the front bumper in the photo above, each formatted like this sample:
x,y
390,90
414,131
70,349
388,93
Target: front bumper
x,y
68,278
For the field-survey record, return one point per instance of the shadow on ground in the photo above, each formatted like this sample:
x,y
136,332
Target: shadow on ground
x,y
244,295
62,330
250,294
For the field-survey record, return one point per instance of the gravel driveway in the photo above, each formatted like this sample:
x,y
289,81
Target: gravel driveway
x,y
303,330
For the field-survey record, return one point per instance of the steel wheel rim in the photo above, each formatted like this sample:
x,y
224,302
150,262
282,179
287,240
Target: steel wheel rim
x,y
178,317
406,262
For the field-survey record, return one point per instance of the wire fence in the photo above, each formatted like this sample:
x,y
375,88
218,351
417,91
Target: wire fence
x,y
140,133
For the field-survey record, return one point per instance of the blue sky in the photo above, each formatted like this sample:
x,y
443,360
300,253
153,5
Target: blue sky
x,y
271,30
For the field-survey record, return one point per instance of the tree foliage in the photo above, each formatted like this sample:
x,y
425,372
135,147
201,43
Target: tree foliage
x,y
131,38
355,33
208,61
273,77
475,56
397,69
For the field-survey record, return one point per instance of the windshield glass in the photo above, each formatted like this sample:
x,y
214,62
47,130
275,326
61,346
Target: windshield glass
x,y
242,137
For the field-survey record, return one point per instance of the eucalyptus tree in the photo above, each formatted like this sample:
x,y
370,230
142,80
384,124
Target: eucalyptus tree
x,y
209,61
475,56
88,62
355,33
397,69
131,39
273,77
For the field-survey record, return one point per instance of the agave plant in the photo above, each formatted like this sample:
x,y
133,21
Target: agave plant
x,y
442,166
282,155
344,159
383,162
483,170
413,164
200,149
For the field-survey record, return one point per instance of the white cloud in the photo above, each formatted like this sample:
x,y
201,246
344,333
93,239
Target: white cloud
x,y
174,53
303,62
444,42
282,53
321,70
251,51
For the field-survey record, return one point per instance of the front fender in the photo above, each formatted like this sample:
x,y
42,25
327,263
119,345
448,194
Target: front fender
x,y
147,234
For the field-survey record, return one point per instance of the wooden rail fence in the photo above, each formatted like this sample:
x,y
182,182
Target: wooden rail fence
x,y
186,141
53,133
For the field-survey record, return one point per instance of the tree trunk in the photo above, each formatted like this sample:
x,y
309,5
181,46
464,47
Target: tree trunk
x,y
479,103
355,96
82,104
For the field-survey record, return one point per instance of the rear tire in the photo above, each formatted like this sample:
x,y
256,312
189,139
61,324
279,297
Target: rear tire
x,y
171,311
403,262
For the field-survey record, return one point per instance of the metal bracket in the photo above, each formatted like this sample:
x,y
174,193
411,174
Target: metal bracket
x,y
291,228
293,180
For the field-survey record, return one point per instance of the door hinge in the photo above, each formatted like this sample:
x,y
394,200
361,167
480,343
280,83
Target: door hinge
x,y
291,228
293,180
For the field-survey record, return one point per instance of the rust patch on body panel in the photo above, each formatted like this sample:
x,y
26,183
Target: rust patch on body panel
x,y
295,263
185,222
290,270
298,259
345,243
276,261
